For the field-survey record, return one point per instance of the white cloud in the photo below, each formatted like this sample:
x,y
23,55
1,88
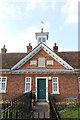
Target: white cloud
x,y
70,9
30,5
9,10
3,32
17,9
18,43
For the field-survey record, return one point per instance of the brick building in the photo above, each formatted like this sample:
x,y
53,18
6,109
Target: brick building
x,y
41,70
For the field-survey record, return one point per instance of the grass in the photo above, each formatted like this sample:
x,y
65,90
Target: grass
x,y
70,111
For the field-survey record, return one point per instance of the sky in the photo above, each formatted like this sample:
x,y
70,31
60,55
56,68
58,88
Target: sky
x,y
20,19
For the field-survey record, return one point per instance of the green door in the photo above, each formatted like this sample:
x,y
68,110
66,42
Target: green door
x,y
41,89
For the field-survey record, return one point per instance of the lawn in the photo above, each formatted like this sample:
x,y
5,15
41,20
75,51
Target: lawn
x,y
70,111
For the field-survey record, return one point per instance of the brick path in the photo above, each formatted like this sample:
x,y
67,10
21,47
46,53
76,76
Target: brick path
x,y
41,110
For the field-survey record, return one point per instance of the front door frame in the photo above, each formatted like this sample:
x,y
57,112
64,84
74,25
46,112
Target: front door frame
x,y
46,78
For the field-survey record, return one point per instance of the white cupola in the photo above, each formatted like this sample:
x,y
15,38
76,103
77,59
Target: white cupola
x,y
41,37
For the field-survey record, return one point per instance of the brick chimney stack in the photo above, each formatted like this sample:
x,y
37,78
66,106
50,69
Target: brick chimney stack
x,y
29,48
55,48
3,50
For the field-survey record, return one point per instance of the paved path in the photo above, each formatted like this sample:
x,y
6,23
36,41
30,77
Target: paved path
x,y
41,110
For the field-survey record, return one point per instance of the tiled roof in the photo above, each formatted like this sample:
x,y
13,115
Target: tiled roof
x,y
10,59
72,58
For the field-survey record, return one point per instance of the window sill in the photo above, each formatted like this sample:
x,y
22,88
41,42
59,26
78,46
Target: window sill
x,y
2,91
26,92
56,93
50,65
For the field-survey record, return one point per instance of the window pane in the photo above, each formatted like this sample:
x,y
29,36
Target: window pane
x,y
54,79
27,87
39,39
3,86
43,39
0,86
27,79
55,85
3,79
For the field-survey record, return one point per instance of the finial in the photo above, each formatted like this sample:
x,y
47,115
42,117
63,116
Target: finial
x,y
4,46
42,25
41,29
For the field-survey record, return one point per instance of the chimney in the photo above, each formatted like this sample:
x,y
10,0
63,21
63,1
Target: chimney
x,y
3,50
29,48
55,48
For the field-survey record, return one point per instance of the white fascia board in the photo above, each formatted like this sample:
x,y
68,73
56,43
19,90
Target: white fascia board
x,y
4,69
25,59
47,50
57,58
42,71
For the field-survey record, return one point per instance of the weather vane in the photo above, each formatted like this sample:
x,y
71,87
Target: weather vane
x,y
42,25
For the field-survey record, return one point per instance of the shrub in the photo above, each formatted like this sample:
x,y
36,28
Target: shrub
x,y
33,96
60,107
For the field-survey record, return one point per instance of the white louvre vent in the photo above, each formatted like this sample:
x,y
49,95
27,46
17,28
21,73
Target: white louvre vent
x,y
33,62
50,62
41,62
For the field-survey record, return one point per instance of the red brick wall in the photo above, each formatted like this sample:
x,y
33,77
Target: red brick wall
x,y
15,86
68,85
47,57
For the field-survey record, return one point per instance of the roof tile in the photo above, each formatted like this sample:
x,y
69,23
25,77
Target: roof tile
x,y
8,60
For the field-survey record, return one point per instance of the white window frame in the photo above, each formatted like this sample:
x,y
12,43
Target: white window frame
x,y
27,82
50,62
79,84
55,92
39,63
41,37
33,62
1,77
